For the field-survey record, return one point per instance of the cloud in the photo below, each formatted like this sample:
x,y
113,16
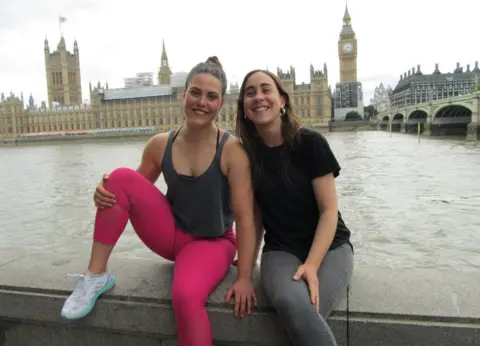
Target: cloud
x,y
117,40
17,14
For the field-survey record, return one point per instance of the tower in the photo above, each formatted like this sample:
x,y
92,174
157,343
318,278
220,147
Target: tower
x,y
287,78
164,74
63,74
320,95
347,50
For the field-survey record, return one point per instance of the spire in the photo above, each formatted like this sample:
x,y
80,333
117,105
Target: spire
x,y
347,29
164,73
347,20
164,55
61,44
31,102
46,48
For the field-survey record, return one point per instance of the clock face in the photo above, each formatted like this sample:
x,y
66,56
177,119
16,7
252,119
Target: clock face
x,y
347,47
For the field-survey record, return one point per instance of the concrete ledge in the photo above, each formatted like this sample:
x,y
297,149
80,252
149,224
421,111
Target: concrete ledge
x,y
384,307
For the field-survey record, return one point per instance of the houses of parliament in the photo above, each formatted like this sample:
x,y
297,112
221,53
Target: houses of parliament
x,y
147,107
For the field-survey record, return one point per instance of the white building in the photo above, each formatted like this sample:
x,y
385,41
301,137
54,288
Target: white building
x,y
381,98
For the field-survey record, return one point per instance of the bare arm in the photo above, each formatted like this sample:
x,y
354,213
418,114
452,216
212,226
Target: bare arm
x,y
151,165
239,178
326,196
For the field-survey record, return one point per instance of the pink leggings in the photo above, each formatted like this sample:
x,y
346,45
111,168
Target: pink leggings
x,y
200,264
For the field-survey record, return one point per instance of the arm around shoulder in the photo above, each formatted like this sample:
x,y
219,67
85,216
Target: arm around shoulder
x,y
151,164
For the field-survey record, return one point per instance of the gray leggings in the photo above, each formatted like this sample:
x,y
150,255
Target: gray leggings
x,y
291,299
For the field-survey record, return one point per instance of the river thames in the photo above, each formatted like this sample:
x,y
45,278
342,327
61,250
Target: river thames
x,y
408,204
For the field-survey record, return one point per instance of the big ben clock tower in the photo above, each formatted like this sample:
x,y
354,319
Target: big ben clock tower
x,y
347,51
348,95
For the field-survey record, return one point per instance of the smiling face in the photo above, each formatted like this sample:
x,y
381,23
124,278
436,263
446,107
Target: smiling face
x,y
261,100
203,100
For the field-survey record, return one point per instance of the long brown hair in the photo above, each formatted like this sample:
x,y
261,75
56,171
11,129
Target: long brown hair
x,y
251,140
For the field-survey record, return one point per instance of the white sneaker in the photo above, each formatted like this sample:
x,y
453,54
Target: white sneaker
x,y
89,288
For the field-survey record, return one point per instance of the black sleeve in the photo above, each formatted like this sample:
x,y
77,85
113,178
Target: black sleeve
x,y
321,160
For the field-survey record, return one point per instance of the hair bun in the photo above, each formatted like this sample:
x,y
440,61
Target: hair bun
x,y
214,60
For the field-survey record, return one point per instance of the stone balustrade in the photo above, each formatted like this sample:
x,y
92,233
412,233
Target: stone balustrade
x,y
385,306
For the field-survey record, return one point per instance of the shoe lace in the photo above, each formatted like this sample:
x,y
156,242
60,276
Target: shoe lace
x,y
80,289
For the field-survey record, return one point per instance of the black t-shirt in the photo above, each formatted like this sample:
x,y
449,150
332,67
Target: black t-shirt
x,y
289,208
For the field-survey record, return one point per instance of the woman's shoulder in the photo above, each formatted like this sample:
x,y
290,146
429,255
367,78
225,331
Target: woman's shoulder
x,y
160,139
233,145
157,143
311,139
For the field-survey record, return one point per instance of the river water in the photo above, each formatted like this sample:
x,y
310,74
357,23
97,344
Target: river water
x,y
408,204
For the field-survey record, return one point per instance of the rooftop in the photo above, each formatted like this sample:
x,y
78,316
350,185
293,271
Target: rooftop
x,y
416,76
138,92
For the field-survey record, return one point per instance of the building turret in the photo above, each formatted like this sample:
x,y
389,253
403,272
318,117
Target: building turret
x,y
287,78
31,103
476,69
63,74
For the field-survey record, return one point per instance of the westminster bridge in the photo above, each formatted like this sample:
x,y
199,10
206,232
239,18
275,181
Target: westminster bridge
x,y
459,115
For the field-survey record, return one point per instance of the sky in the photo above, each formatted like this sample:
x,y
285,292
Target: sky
x,y
118,39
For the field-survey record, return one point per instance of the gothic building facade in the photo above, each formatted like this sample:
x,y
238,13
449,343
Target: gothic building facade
x,y
381,98
312,100
415,87
137,106
64,84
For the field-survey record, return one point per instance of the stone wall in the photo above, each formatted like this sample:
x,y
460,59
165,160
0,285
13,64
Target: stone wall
x,y
385,306
344,126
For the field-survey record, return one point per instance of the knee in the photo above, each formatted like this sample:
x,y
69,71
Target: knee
x,y
286,301
122,173
122,176
184,299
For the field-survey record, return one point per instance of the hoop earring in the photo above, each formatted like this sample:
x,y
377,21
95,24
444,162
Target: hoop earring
x,y
282,112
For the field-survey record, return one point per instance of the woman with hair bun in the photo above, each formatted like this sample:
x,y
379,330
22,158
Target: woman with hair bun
x,y
209,182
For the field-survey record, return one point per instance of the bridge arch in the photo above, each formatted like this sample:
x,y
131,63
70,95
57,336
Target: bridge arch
x,y
397,121
385,122
415,121
454,113
398,117
452,119
417,116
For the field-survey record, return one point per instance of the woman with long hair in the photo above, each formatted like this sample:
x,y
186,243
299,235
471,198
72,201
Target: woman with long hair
x,y
307,259
209,187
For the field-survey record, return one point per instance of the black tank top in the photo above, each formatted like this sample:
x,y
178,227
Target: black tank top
x,y
200,205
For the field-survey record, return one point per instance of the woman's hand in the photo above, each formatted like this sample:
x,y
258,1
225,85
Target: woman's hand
x,y
102,198
245,297
309,274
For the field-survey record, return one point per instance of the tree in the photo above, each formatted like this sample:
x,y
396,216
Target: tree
x,y
370,112
353,116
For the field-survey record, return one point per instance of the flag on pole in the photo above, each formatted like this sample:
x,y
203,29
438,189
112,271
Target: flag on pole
x,y
62,19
